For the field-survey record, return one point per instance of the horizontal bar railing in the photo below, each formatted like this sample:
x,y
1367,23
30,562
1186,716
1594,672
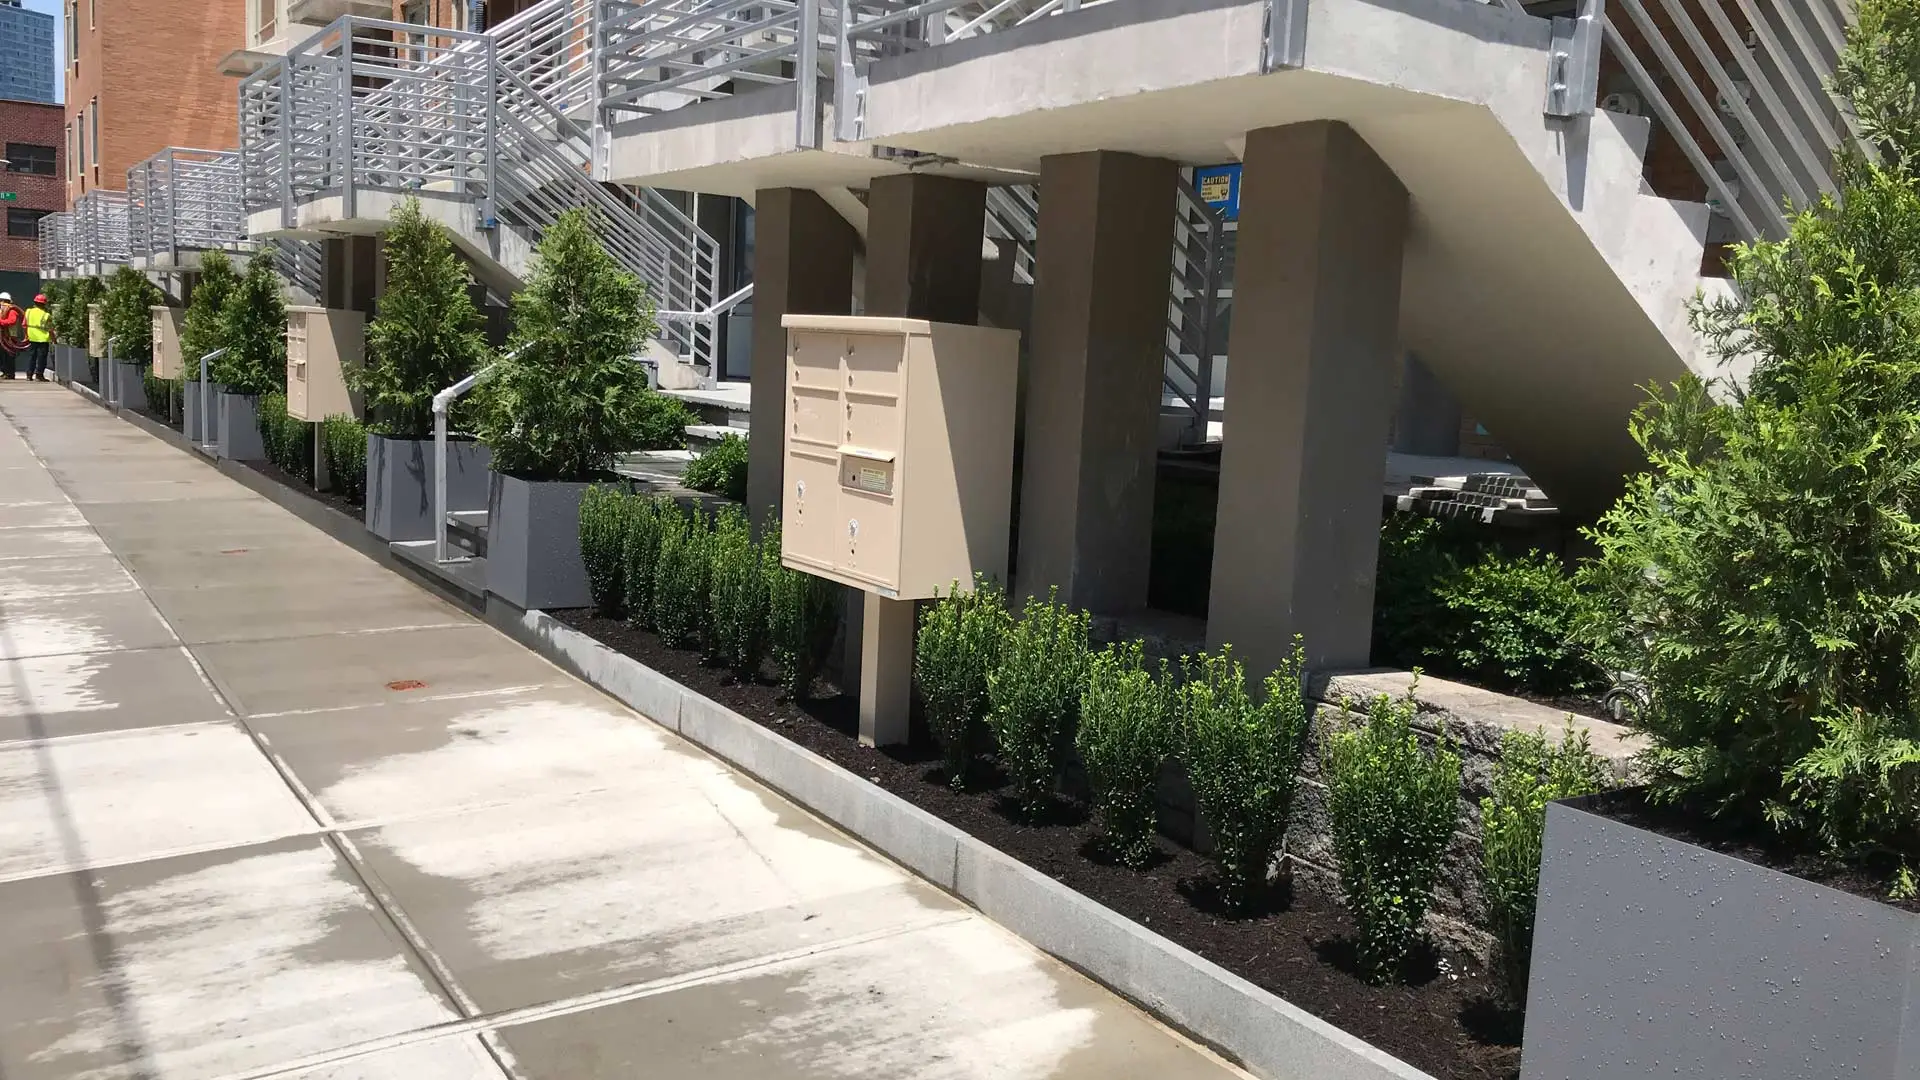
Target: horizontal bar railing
x,y
183,199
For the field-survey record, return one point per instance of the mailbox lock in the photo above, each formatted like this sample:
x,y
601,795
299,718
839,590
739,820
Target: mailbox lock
x,y
853,528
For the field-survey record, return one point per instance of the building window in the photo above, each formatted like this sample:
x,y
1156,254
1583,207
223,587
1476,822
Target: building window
x,y
24,224
73,34
80,140
93,13
266,16
31,158
93,109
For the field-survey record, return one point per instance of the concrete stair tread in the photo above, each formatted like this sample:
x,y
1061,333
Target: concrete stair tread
x,y
465,579
715,432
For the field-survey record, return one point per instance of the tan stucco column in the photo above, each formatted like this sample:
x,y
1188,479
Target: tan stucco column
x,y
924,238
1314,350
802,265
1093,378
1428,417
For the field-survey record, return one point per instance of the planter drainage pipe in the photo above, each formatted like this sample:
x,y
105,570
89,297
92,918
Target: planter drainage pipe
x,y
206,400
441,402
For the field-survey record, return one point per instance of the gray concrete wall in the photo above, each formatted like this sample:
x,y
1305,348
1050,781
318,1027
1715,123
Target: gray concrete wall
x,y
1315,347
923,248
1092,417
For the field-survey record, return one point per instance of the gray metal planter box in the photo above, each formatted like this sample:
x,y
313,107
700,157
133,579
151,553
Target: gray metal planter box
x,y
400,484
1653,957
129,389
236,425
533,544
190,425
65,359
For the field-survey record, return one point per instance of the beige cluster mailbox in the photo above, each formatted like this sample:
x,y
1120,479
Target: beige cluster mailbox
x,y
96,332
899,476
167,361
322,344
899,452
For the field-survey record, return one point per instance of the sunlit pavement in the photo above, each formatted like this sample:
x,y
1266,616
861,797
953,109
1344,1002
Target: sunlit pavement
x,y
267,809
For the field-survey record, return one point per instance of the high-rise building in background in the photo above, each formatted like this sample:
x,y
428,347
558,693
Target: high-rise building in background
x,y
26,54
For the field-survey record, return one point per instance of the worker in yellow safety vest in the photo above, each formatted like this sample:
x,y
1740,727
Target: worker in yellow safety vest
x,y
39,338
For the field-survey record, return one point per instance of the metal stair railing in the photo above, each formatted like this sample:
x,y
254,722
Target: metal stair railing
x,y
183,199
1199,251
658,55
300,265
1754,116
500,118
56,245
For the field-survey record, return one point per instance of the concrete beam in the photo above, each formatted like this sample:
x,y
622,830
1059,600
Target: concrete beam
x,y
1093,381
1314,349
803,265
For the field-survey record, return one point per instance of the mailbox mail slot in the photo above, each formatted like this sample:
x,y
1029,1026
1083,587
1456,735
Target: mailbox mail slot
x,y
322,344
167,361
898,452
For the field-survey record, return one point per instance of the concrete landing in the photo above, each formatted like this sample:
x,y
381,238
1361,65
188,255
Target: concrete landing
x,y
269,809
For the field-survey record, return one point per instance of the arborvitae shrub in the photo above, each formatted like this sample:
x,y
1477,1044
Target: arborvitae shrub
x,y
640,549
253,330
737,590
426,332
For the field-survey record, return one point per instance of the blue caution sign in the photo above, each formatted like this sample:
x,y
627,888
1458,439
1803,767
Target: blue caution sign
x,y
1219,187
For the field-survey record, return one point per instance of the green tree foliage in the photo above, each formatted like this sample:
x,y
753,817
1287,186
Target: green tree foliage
x,y
426,332
343,440
70,315
804,615
1763,575
1243,759
737,596
604,514
1531,773
126,315
1448,602
253,330
1035,693
200,329
1392,806
569,397
722,470
1128,728
957,647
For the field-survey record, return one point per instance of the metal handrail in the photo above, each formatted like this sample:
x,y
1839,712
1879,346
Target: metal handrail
x,y
206,399
442,401
183,198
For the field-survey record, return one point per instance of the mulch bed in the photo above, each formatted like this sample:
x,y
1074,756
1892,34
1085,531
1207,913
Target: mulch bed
x,y
1750,840
333,499
1447,1021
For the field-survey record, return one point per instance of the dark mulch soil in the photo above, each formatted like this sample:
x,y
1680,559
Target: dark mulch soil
x,y
1750,840
1298,945
352,509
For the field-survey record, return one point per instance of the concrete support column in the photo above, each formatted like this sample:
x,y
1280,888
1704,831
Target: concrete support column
x,y
1093,378
924,237
803,265
924,241
1314,347
1428,418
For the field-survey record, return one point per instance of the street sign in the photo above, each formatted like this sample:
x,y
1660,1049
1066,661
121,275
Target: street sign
x,y
8,196
1219,187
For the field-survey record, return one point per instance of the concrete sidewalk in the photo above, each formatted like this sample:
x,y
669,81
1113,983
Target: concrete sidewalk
x,y
268,809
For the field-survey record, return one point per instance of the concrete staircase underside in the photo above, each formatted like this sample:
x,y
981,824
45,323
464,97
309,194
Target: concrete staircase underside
x,y
1540,283
501,257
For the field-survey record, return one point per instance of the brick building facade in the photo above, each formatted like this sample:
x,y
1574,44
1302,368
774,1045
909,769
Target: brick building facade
x,y
160,88
32,176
